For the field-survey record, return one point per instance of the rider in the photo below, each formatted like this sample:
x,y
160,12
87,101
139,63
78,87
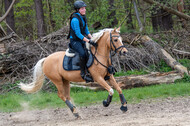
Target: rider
x,y
79,35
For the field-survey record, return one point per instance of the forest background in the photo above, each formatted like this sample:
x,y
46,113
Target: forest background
x,y
36,18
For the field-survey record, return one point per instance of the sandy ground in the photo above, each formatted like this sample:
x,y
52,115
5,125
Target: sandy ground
x,y
162,112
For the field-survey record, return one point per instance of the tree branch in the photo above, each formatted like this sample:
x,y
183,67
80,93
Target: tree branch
x,y
169,10
5,15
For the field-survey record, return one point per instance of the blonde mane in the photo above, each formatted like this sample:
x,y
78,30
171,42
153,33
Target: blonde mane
x,y
98,35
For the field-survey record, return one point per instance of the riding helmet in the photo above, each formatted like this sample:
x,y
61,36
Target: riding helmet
x,y
78,4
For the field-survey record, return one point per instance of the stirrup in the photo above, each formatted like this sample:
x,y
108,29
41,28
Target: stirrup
x,y
87,78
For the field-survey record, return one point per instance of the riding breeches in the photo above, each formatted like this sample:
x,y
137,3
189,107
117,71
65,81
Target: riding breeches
x,y
78,47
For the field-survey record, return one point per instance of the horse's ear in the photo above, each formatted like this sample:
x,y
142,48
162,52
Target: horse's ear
x,y
114,30
118,29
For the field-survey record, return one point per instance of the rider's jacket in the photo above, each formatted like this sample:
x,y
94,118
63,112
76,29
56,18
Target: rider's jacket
x,y
78,27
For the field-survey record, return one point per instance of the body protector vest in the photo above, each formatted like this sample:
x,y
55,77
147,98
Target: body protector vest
x,y
82,27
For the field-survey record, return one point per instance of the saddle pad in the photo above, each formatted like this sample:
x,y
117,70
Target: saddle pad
x,y
72,63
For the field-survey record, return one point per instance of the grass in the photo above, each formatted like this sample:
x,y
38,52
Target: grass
x,y
10,102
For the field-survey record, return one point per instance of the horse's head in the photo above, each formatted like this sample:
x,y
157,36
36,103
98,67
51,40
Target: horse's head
x,y
112,38
116,42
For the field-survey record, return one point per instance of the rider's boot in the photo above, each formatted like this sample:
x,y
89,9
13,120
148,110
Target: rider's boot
x,y
83,74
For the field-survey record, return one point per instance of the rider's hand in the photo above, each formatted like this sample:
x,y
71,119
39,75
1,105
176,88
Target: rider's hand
x,y
93,43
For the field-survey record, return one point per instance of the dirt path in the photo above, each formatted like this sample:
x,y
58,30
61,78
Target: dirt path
x,y
167,112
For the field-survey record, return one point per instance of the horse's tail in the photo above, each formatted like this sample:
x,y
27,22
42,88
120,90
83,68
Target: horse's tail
x,y
38,79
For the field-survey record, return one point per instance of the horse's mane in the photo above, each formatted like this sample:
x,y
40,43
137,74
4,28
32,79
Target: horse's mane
x,y
98,35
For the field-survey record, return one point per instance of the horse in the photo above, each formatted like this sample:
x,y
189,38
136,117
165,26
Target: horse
x,y
51,67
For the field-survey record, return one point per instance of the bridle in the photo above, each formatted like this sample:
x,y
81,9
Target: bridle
x,y
110,68
112,44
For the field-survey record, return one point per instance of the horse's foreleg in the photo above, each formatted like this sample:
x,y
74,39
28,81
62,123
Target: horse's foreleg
x,y
122,98
104,84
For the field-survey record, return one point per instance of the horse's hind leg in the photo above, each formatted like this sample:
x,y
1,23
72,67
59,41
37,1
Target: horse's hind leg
x,y
63,88
66,88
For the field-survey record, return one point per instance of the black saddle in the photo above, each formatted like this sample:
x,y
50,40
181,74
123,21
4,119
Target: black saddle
x,y
72,62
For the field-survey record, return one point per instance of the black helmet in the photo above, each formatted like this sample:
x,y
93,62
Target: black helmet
x,y
78,4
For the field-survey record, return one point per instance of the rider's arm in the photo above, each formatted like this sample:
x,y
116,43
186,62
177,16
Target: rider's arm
x,y
87,32
76,27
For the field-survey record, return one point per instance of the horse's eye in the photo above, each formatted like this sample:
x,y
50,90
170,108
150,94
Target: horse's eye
x,y
115,40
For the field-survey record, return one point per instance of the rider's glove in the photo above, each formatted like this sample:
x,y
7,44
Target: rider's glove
x,y
93,43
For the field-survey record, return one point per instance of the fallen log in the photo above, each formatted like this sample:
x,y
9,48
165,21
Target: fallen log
x,y
126,82
184,53
149,79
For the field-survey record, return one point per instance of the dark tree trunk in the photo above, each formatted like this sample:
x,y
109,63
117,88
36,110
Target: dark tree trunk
x,y
161,19
167,22
1,7
112,14
10,17
180,8
40,18
51,21
129,21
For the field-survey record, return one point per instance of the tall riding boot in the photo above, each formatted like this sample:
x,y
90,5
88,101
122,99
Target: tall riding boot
x,y
83,74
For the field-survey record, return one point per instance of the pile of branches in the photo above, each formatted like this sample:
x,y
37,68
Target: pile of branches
x,y
21,56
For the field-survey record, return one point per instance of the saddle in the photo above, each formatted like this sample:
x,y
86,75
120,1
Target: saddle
x,y
71,60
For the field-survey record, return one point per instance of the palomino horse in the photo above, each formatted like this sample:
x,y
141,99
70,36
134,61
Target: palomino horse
x,y
51,67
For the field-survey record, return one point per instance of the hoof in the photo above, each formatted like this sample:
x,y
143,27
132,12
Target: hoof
x,y
105,104
77,115
123,108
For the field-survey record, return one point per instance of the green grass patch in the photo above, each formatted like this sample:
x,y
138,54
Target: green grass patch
x,y
133,72
10,102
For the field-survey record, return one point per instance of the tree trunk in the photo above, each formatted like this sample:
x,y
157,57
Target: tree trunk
x,y
51,22
161,19
137,15
128,11
10,17
112,14
169,10
40,18
180,8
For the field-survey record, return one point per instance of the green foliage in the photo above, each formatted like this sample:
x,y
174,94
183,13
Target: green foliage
x,y
185,62
134,72
186,78
100,13
97,11
9,87
161,67
124,29
25,22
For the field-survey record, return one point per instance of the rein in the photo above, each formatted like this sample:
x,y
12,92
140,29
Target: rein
x,y
109,68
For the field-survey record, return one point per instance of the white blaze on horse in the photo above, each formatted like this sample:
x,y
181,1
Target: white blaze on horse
x,y
51,67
